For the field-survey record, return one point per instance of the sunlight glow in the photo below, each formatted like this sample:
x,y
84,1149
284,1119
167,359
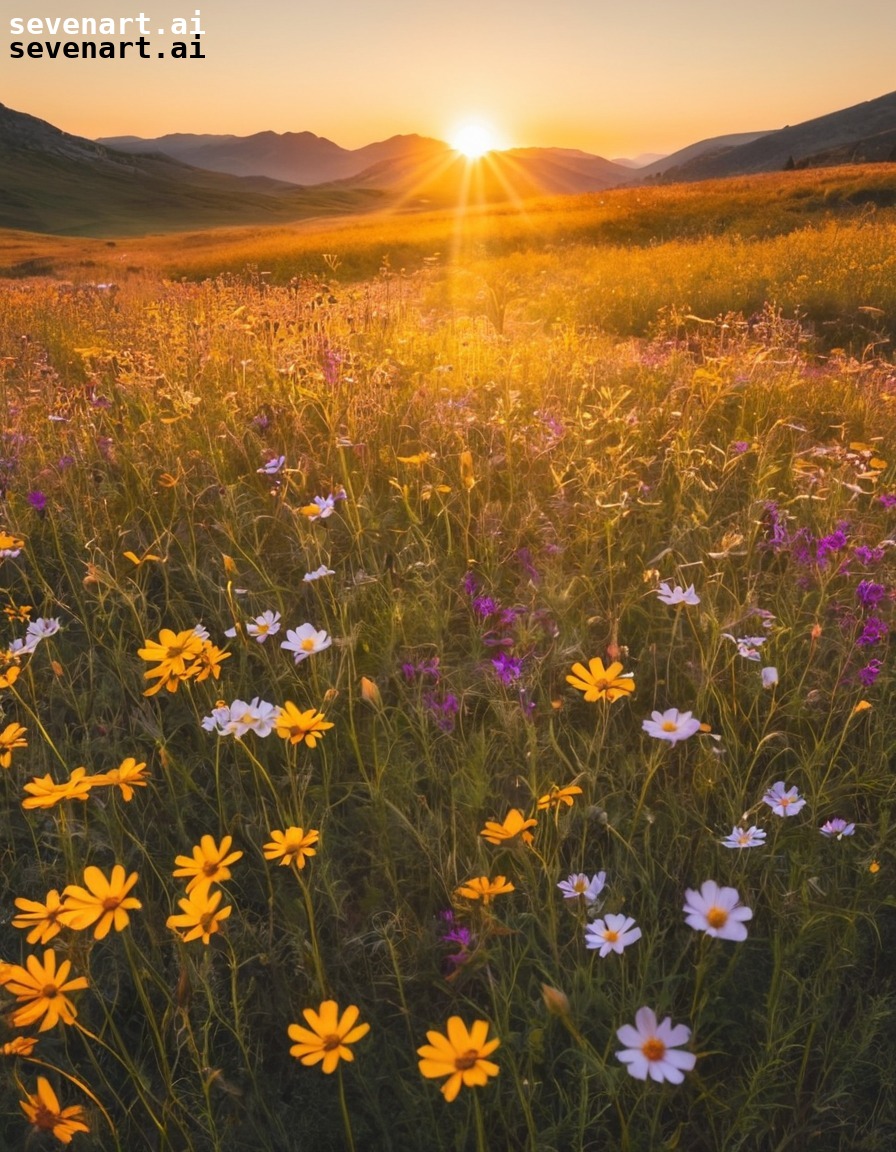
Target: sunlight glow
x,y
474,140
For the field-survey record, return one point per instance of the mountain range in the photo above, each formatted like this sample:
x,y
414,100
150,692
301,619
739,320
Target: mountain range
x,y
51,181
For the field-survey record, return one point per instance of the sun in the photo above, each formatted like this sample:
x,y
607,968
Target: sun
x,y
474,140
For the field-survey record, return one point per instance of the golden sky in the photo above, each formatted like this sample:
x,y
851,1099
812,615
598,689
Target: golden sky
x,y
610,78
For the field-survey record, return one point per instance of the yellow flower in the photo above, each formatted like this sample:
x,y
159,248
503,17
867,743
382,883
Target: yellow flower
x,y
599,683
19,1046
10,739
460,1055
9,676
200,914
208,662
296,726
43,1111
417,458
481,888
42,919
44,792
102,902
292,846
138,560
558,797
41,989
328,1037
127,776
515,824
171,654
209,862
18,613
10,545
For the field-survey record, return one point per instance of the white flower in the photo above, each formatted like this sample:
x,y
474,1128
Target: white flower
x,y
671,725
40,629
579,884
783,801
273,466
677,595
238,718
305,641
747,646
613,933
716,911
201,631
744,838
318,573
837,827
322,506
769,677
267,624
651,1048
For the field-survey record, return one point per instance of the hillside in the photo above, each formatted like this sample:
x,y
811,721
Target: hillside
x,y
51,181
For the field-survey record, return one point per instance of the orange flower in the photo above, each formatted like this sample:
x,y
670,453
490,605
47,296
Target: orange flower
x,y
292,846
43,1111
460,1055
42,919
558,797
44,792
41,989
481,888
599,683
102,902
515,824
326,1041
209,862
127,776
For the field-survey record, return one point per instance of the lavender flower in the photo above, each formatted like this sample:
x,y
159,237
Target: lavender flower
x,y
867,675
868,593
874,631
507,668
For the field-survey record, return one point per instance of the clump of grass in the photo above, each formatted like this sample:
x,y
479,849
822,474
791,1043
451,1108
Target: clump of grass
x,y
481,503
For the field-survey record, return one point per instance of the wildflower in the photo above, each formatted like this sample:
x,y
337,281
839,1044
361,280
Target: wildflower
x,y
37,500
267,624
507,668
874,867
41,629
42,919
321,507
579,884
716,911
769,676
171,652
837,828
677,595
209,862
103,903
867,675
559,797
873,632
651,1048
238,718
44,792
599,683
41,989
127,776
481,888
425,668
43,1111
744,838
460,1055
19,1046
783,801
305,641
460,935
199,914
296,726
10,546
273,466
370,692
318,574
292,845
613,933
515,824
444,710
10,739
671,725
747,646
9,676
326,1040
208,662
869,594
555,1000
138,560
20,613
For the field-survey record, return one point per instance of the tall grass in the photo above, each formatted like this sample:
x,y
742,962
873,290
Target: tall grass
x,y
519,475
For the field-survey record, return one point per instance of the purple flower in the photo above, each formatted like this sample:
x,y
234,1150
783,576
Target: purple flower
x,y
868,593
524,559
261,422
866,555
837,828
470,584
874,631
37,500
888,499
485,606
428,668
777,536
740,446
827,545
507,668
444,710
65,462
869,673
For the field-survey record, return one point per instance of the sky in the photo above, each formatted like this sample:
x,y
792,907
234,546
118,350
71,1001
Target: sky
x,y
610,77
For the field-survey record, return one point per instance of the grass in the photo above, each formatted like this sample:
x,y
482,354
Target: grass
x,y
528,442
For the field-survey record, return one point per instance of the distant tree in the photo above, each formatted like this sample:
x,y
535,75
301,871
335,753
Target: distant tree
x,y
789,166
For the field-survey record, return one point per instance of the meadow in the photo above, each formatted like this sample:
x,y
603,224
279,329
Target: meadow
x,y
429,634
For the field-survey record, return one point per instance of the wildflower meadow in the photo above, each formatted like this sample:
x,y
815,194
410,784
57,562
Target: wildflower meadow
x,y
436,726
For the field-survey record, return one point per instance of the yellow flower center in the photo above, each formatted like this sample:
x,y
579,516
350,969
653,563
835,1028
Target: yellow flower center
x,y
580,886
785,800
49,991
610,936
601,682
716,917
45,1119
308,644
111,903
466,1060
210,867
207,921
332,1041
653,1049
670,726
